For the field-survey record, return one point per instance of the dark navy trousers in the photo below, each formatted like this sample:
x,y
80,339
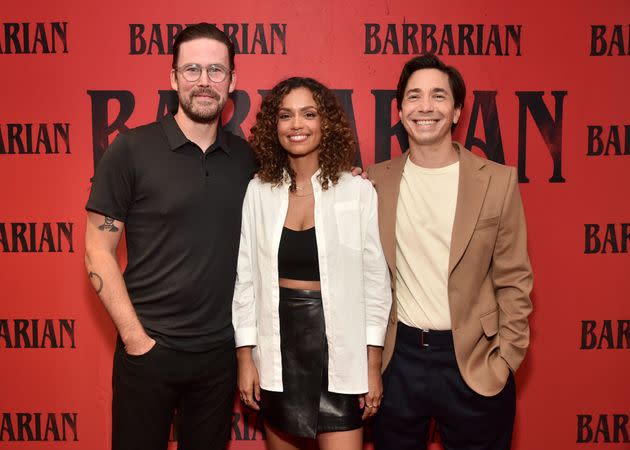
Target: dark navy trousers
x,y
421,383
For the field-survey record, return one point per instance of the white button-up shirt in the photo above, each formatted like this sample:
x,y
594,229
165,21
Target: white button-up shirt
x,y
354,279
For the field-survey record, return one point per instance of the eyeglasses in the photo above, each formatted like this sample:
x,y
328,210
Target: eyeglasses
x,y
192,72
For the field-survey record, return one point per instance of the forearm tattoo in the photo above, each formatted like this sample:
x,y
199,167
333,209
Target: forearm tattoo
x,y
97,282
108,225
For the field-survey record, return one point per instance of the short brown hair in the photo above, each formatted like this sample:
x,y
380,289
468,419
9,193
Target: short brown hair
x,y
431,61
200,31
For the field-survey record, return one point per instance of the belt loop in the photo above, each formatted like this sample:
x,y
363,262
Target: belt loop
x,y
424,342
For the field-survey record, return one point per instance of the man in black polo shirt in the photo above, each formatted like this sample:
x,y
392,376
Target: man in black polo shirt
x,y
176,188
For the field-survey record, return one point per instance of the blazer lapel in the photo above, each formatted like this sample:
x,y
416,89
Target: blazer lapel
x,y
389,189
471,191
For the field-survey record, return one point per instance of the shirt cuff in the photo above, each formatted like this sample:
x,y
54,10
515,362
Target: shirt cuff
x,y
375,336
245,336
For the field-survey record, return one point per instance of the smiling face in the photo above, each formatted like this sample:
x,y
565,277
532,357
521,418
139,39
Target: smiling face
x,y
428,110
299,123
203,100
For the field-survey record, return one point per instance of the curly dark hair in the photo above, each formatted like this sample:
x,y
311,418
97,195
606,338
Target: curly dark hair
x,y
337,146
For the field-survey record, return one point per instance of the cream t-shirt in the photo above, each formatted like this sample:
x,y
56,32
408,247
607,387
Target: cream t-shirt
x,y
424,223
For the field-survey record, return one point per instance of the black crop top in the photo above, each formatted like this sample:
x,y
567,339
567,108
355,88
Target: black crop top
x,y
297,255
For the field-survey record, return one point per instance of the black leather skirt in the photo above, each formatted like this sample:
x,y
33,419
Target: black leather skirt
x,y
305,407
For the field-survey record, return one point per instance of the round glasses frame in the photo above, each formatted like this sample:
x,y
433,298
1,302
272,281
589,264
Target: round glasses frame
x,y
192,72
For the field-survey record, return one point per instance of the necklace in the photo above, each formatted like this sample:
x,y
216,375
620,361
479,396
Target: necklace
x,y
295,194
301,189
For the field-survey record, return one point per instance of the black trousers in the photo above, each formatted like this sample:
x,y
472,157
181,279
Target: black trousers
x,y
421,383
148,388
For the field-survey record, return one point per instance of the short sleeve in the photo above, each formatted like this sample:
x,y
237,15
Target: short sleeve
x,y
112,187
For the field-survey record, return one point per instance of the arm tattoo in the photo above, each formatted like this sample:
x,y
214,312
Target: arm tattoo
x,y
108,225
97,282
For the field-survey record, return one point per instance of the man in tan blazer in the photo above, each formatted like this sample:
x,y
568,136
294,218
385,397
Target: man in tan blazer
x,y
453,231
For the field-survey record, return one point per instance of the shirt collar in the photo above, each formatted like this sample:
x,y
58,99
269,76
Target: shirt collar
x,y
221,142
176,137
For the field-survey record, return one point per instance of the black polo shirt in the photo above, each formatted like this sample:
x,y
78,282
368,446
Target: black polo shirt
x,y
182,213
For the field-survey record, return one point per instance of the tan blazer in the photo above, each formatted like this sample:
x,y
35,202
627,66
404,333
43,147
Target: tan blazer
x,y
490,276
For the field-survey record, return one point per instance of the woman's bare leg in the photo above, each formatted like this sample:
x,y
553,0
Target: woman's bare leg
x,y
341,440
277,440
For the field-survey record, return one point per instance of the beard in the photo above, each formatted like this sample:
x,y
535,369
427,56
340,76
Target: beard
x,y
202,113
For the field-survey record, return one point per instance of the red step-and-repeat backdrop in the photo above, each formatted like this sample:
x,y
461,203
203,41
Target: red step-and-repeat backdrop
x,y
547,92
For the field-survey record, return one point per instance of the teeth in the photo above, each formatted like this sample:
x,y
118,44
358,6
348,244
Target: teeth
x,y
298,138
425,122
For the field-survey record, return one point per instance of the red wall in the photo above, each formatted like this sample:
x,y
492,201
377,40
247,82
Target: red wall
x,y
547,87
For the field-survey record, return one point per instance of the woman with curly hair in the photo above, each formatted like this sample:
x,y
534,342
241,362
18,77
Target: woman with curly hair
x,y
312,294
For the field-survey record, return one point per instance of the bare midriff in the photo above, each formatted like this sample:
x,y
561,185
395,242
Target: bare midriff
x,y
300,284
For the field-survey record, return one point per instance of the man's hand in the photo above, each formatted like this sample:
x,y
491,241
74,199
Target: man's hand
x,y
140,345
355,171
